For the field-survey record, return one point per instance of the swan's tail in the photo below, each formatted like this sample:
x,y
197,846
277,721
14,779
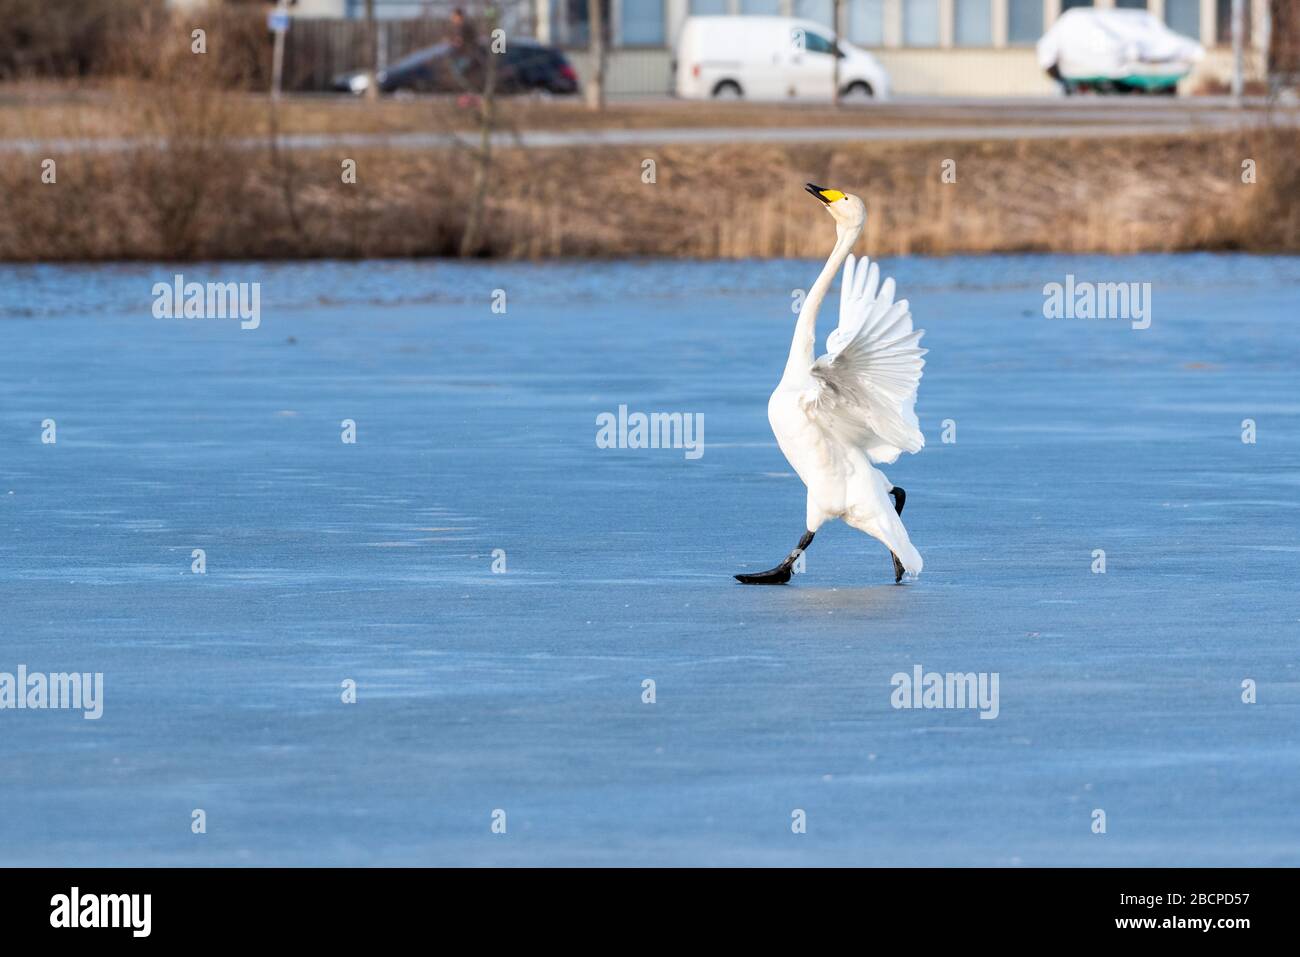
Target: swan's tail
x,y
875,513
909,556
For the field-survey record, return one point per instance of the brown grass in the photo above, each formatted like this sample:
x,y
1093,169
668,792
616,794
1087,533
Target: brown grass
x,y
210,201
184,190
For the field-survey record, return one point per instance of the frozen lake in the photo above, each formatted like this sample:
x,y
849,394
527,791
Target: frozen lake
x,y
522,690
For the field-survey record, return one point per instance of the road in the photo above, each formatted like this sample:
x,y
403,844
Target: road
x,y
898,121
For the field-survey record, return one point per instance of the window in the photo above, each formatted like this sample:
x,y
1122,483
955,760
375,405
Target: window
x,y
569,22
709,8
867,22
816,43
1223,23
1131,4
642,23
769,8
921,23
818,11
973,23
1184,16
1070,4
1025,21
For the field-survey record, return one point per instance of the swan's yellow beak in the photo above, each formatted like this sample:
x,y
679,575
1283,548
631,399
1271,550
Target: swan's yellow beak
x,y
827,196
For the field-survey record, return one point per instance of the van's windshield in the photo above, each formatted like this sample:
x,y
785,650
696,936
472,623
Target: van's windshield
x,y
816,43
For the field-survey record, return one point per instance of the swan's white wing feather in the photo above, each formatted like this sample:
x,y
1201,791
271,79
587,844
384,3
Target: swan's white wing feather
x,y
864,388
860,293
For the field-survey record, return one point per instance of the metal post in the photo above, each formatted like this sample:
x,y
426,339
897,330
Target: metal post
x,y
277,57
372,54
1238,35
835,56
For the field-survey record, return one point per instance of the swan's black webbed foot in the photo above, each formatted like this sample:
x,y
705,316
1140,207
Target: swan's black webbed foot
x,y
900,498
781,573
774,576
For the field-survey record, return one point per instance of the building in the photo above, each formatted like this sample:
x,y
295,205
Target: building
x,y
929,47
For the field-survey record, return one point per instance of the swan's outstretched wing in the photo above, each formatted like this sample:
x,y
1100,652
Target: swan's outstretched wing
x,y
864,388
860,289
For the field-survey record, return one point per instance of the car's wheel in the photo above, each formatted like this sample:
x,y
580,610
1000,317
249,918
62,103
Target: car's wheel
x,y
859,91
728,90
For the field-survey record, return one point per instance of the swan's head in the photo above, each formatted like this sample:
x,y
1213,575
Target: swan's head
x,y
847,211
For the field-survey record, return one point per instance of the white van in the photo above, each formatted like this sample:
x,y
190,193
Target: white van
x,y
1116,50
771,58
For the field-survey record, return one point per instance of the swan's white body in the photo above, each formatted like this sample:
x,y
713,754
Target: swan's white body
x,y
835,416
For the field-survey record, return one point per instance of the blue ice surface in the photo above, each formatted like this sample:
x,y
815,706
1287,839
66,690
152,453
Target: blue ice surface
x,y
523,692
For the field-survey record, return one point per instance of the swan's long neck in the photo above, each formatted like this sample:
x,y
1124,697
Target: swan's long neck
x,y
804,342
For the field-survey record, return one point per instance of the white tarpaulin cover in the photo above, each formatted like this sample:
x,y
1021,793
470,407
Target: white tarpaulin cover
x,y
1115,44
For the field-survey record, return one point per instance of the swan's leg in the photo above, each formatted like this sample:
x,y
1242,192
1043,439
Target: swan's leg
x,y
900,498
781,573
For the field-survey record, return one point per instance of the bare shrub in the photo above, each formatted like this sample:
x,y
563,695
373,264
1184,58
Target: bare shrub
x,y
66,38
186,166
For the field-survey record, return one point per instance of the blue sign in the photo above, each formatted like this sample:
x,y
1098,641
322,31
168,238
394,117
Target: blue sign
x,y
278,21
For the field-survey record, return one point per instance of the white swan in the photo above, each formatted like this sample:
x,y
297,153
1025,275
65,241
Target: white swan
x,y
854,406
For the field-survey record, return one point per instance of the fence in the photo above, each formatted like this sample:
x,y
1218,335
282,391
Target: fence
x,y
316,50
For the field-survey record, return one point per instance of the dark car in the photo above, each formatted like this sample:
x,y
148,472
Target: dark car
x,y
526,66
